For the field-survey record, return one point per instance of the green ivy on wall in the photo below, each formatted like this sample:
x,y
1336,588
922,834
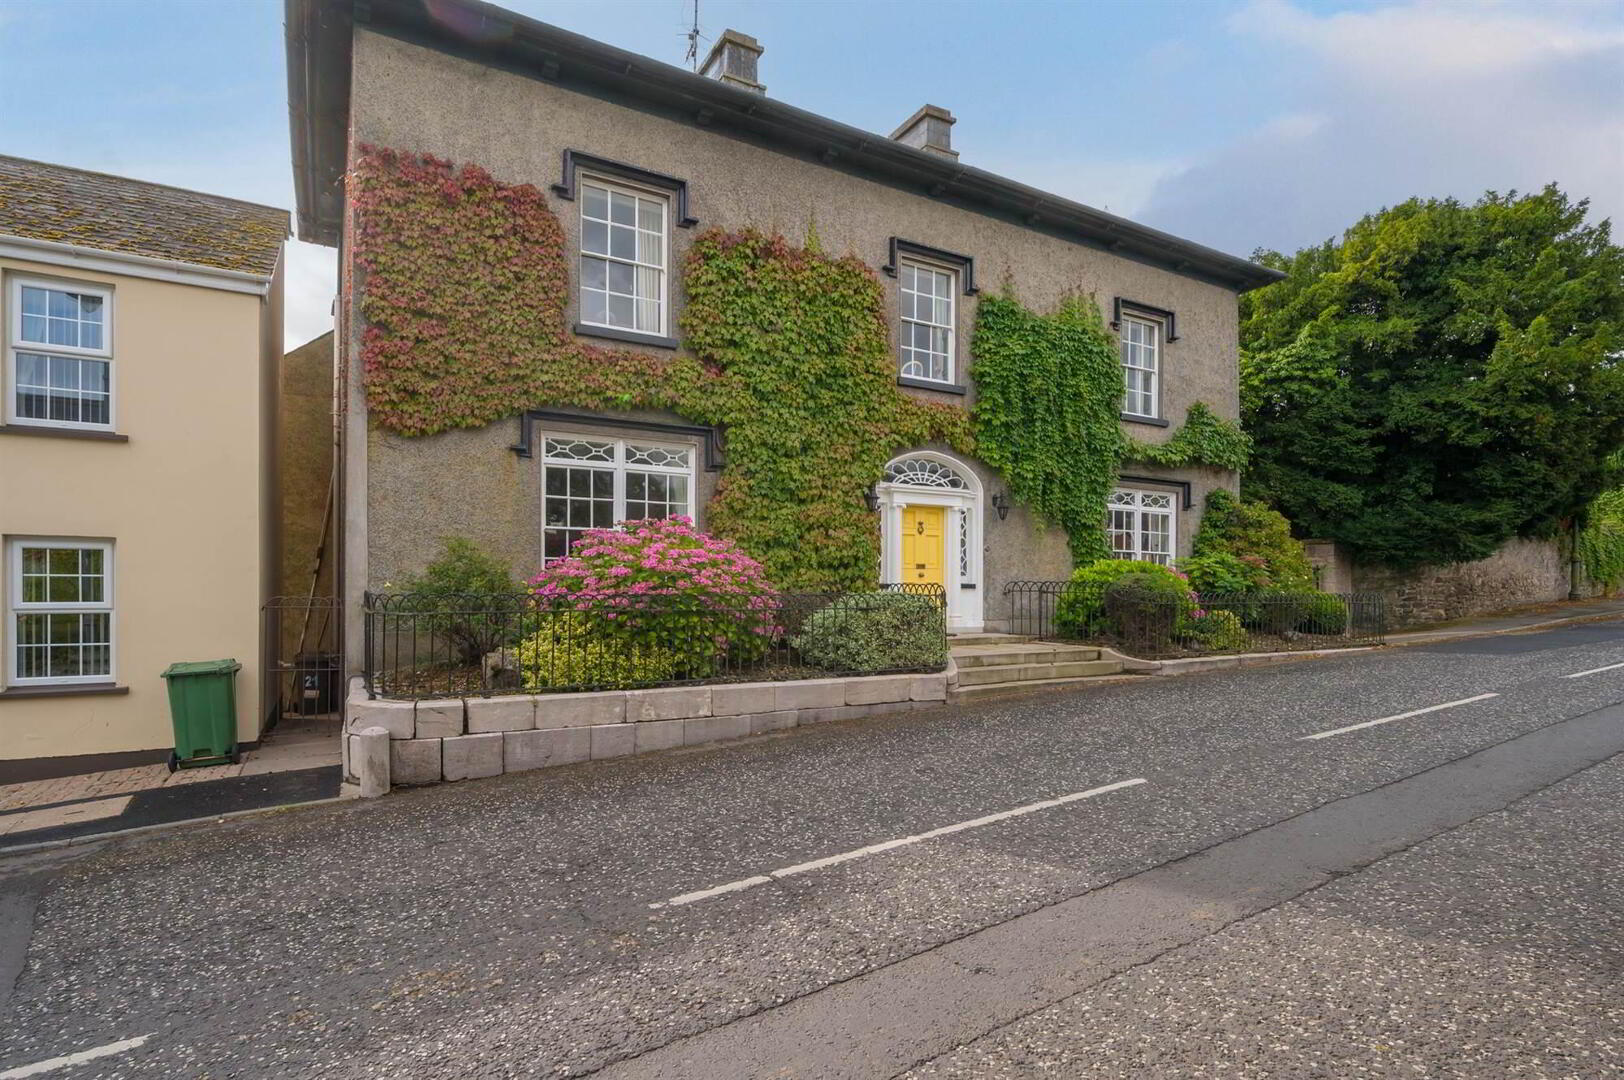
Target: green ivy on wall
x,y
1048,396
465,298
808,396
1205,439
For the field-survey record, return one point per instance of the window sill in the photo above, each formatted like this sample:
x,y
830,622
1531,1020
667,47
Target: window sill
x,y
630,336
46,431
66,690
1151,421
930,384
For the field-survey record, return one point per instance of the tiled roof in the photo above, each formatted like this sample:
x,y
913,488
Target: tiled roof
x,y
112,213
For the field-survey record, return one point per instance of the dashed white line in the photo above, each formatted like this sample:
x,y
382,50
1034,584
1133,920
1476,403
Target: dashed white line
x,y
39,1068
1592,671
888,845
1390,719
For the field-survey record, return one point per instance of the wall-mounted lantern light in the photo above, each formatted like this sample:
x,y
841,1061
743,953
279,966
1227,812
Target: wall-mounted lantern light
x,y
1000,503
871,499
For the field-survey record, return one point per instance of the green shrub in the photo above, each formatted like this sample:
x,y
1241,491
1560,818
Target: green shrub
x,y
1221,573
1258,537
1273,611
1601,541
569,651
1143,609
465,596
1219,631
1080,611
1323,614
874,632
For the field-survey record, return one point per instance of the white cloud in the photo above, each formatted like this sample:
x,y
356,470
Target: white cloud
x,y
1407,99
309,285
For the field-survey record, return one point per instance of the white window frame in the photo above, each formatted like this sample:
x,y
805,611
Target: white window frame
x,y
16,606
619,467
587,179
1158,331
15,344
951,326
1139,512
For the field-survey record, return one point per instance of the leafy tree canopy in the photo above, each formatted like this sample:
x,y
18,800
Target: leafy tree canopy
x,y
1442,379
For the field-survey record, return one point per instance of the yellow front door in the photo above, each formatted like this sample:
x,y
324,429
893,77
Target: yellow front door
x,y
924,547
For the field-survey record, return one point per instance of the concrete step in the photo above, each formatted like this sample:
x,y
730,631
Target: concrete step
x,y
1011,689
1035,653
1009,673
954,640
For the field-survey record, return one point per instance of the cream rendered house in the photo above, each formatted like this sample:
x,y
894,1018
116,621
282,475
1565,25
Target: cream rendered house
x,y
142,331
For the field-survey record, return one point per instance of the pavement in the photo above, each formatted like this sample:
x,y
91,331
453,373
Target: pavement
x,y
1400,862
298,761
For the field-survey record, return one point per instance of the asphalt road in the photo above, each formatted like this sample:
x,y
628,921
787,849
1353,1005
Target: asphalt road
x,y
1437,895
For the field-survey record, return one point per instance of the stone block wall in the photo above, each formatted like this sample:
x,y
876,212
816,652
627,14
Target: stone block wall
x,y
1521,572
464,738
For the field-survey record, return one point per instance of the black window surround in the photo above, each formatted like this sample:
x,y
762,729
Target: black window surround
x,y
1156,481
931,384
631,337
965,265
709,437
1121,305
1148,421
575,160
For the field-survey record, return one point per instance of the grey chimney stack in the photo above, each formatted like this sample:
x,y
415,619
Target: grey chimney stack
x,y
930,129
732,60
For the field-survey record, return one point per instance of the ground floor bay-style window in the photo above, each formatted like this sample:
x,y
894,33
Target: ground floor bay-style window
x,y
1140,525
60,625
592,483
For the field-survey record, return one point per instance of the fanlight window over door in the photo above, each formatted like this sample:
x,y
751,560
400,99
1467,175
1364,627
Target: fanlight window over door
x,y
923,472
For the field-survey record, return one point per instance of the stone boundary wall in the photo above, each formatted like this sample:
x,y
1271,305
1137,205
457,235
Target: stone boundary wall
x,y
1521,572
464,738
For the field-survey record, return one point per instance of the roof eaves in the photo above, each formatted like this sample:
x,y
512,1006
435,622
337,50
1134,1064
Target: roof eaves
x,y
550,52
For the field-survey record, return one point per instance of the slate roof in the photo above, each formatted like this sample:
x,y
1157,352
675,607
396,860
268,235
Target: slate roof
x,y
113,213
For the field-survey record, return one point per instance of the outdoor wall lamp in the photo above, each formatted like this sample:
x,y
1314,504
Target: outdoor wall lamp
x,y
1000,503
871,499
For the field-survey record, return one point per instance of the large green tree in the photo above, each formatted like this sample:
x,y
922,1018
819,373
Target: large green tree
x,y
1444,377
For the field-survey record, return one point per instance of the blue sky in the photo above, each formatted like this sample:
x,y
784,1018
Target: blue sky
x,y
1237,123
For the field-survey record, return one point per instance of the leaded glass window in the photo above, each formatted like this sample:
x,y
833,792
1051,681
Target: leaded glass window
x,y
1140,525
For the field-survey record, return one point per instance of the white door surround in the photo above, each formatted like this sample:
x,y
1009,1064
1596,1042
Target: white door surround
x,y
927,478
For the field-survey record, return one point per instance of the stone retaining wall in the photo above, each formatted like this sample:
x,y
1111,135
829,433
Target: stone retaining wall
x,y
463,738
1521,572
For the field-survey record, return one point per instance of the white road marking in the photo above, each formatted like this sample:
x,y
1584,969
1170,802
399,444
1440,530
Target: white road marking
x,y
1400,716
68,1060
1592,671
875,849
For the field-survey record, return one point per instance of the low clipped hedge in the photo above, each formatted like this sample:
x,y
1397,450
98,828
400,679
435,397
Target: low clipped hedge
x,y
571,651
872,632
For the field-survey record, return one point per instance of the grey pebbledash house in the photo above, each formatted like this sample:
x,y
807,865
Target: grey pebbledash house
x,y
636,158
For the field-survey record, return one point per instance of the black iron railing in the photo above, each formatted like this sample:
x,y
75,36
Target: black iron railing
x,y
420,645
1158,625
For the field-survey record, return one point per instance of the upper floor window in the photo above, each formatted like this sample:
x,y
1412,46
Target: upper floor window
x,y
927,321
1140,525
61,600
1141,366
623,257
591,483
60,367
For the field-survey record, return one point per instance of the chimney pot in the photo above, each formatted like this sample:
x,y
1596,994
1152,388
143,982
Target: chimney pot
x,y
929,129
732,60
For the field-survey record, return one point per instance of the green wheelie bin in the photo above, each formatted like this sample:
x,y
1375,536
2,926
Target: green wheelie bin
x,y
203,707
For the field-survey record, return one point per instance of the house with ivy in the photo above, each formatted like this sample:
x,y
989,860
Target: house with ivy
x,y
579,286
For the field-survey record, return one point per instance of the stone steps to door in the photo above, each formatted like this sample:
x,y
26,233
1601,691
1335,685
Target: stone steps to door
x,y
1015,673
975,656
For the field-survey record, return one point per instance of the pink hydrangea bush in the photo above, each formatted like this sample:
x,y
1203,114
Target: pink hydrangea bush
x,y
664,584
